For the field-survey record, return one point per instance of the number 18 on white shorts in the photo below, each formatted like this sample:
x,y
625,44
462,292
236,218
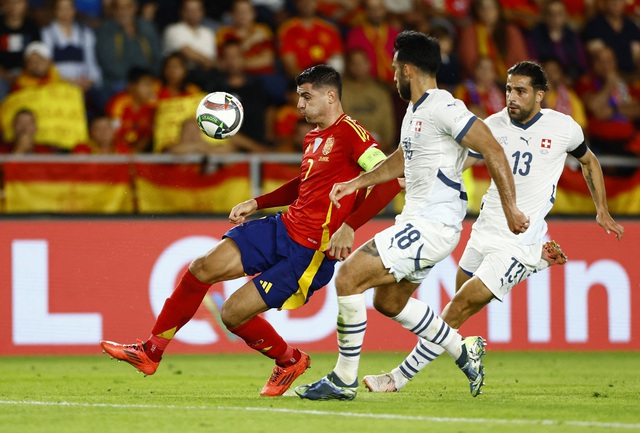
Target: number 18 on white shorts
x,y
411,248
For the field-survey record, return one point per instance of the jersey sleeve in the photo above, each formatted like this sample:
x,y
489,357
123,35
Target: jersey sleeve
x,y
453,118
576,136
365,149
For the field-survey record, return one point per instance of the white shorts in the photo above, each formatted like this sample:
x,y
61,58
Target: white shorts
x,y
409,249
499,264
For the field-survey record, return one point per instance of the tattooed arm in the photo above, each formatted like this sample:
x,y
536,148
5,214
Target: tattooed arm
x,y
592,173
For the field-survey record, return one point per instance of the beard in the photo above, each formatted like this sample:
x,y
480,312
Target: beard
x,y
404,90
520,115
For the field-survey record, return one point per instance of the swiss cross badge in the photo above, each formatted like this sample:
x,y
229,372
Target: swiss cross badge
x,y
418,126
546,143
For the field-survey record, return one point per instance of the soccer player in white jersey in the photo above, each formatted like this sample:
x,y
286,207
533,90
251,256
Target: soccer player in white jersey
x,y
437,132
536,142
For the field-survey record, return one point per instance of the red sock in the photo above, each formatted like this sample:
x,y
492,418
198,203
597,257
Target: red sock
x,y
260,335
178,309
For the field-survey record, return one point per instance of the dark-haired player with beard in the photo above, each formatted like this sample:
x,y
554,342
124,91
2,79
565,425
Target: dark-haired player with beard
x,y
536,142
437,132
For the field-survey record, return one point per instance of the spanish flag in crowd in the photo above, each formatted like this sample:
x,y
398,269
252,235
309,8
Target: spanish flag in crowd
x,y
63,187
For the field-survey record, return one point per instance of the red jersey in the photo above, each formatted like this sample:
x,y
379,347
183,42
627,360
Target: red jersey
x,y
311,45
330,156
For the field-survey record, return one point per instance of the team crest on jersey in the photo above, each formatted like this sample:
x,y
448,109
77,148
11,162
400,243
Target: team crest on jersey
x,y
328,145
503,141
545,145
406,146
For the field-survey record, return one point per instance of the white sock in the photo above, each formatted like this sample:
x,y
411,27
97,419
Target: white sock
x,y
352,324
421,355
418,318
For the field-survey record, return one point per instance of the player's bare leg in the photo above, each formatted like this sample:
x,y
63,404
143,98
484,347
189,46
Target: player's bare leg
x,y
365,269
221,263
425,352
240,315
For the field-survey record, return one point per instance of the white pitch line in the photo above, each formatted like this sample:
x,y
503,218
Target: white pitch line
x,y
587,424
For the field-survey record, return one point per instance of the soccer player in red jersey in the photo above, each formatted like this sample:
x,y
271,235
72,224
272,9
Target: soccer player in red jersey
x,y
295,252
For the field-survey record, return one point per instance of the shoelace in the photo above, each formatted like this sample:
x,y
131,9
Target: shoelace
x,y
136,346
277,372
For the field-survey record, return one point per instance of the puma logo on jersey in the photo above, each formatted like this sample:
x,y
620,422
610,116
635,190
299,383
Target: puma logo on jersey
x,y
526,140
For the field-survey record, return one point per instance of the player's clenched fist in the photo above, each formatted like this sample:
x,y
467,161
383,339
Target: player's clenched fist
x,y
242,210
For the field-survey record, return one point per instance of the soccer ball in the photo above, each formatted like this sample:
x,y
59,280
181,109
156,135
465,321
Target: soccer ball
x,y
220,115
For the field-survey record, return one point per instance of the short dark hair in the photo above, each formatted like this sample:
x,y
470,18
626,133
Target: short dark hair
x,y
321,76
137,73
419,50
534,71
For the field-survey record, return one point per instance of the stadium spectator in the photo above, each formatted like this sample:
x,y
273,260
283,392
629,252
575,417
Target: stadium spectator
x,y
124,42
132,111
554,38
375,38
25,128
73,47
258,112
174,78
368,101
612,28
38,68
291,250
102,137
17,31
286,117
256,39
612,105
258,46
193,40
456,9
306,40
271,12
523,13
193,141
495,260
449,73
481,93
437,133
490,35
560,96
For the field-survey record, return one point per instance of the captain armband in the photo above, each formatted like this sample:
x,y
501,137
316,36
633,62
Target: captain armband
x,y
370,158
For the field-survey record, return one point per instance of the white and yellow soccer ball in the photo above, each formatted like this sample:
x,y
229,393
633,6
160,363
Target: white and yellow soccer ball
x,y
220,115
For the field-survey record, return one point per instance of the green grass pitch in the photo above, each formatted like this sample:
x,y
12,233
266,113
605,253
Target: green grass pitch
x,y
525,392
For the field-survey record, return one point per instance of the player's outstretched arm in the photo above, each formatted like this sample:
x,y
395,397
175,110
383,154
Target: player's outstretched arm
x,y
281,196
341,242
592,173
390,168
480,140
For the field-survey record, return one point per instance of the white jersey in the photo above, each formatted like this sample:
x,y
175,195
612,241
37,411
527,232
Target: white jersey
x,y
536,152
431,133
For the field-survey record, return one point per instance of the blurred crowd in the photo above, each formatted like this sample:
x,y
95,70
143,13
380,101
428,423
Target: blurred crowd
x,y
130,59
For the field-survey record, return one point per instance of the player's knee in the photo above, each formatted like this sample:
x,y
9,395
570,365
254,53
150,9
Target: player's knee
x,y
198,268
344,281
390,307
228,315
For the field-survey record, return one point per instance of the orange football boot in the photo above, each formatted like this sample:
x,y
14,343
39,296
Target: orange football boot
x,y
131,353
282,377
